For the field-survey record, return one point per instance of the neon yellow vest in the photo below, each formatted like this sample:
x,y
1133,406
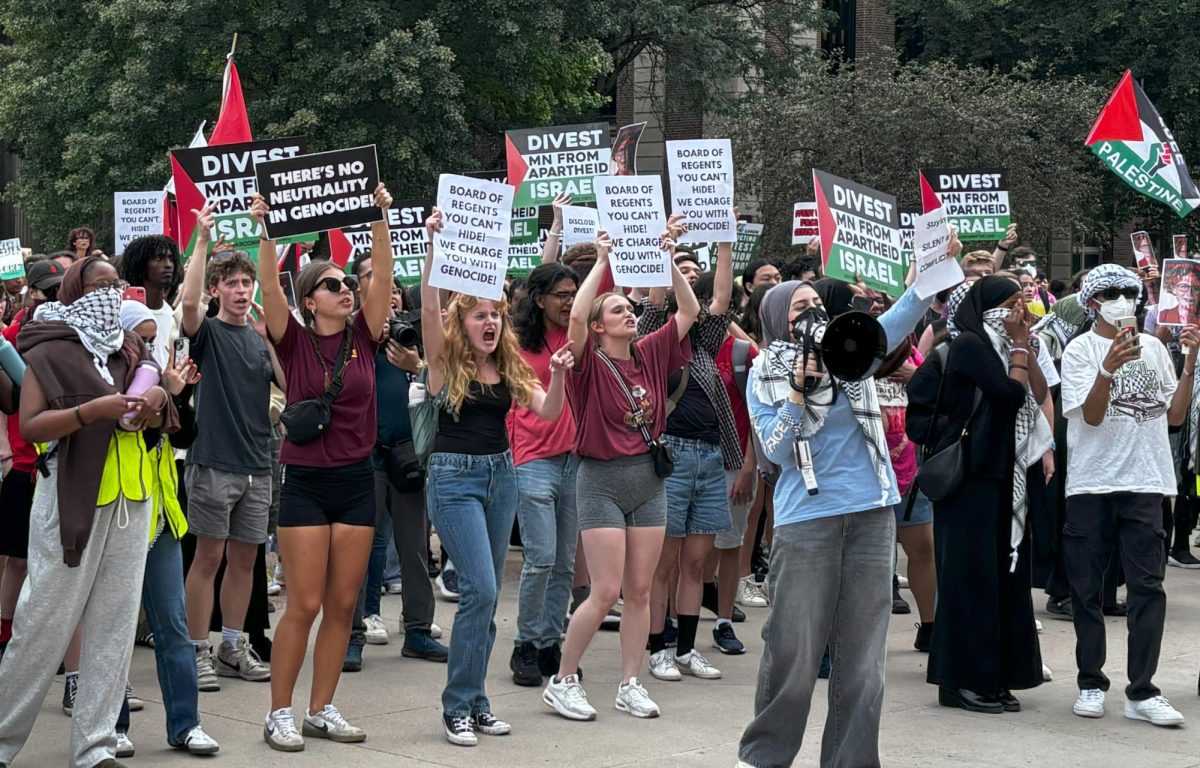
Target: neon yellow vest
x,y
166,491
128,469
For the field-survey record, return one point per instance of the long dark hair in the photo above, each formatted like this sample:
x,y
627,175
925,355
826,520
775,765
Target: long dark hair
x,y
529,319
751,323
138,255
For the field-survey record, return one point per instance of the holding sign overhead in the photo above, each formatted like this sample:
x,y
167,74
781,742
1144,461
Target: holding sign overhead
x,y
936,268
631,211
579,225
470,254
702,189
860,233
136,214
976,202
543,162
319,192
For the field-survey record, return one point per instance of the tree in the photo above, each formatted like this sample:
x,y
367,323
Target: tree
x,y
879,123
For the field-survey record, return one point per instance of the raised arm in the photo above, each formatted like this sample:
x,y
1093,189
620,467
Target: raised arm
x,y
722,280
274,301
688,306
1001,252
433,335
191,295
577,329
1177,412
548,403
378,303
553,245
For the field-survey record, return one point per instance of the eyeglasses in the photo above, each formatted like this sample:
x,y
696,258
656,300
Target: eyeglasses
x,y
1111,294
563,295
334,285
101,285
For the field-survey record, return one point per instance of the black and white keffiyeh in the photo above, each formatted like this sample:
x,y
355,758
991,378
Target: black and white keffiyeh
x,y
96,317
1101,279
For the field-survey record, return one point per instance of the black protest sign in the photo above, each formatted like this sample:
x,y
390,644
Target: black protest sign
x,y
321,191
410,239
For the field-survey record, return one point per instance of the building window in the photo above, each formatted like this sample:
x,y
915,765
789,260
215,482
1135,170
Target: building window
x,y
840,35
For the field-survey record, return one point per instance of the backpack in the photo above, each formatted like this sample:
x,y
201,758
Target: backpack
x,y
423,417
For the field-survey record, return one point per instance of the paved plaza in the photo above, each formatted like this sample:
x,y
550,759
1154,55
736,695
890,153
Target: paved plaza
x,y
397,701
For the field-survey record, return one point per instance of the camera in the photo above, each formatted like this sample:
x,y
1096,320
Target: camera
x,y
402,328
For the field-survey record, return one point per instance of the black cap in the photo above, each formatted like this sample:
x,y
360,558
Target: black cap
x,y
44,274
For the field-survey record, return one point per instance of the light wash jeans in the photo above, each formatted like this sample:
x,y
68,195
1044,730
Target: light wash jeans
x,y
831,583
549,530
174,654
472,501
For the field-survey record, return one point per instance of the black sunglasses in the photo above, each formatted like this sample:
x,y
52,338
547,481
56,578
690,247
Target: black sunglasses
x,y
334,284
1112,294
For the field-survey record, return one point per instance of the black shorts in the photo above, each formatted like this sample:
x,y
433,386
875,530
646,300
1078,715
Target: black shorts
x,y
16,499
328,495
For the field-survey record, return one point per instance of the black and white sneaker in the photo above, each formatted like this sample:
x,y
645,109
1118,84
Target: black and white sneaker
x,y
70,689
486,722
459,730
725,641
1183,558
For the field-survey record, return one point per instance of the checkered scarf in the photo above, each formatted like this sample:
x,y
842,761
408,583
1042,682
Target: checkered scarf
x,y
96,317
1101,279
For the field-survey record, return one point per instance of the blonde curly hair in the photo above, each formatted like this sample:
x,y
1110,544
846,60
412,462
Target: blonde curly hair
x,y
458,359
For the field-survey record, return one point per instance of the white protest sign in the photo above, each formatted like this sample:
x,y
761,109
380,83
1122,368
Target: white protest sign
x,y
12,263
579,225
702,189
136,214
937,270
631,211
804,223
470,255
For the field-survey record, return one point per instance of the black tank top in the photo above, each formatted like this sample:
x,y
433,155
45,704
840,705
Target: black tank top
x,y
480,429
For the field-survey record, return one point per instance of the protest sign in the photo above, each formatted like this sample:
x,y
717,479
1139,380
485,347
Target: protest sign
x,y
543,162
289,289
1179,293
410,239
470,254
936,268
702,189
976,201
908,218
579,225
1179,246
136,214
631,211
745,248
12,262
860,233
1131,138
525,237
319,192
1143,249
623,161
224,175
804,223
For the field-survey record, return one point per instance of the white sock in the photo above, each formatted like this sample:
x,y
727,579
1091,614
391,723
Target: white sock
x,y
73,674
230,635
200,644
722,621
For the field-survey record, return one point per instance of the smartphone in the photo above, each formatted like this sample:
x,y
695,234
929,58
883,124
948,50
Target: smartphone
x,y
1128,325
182,348
135,293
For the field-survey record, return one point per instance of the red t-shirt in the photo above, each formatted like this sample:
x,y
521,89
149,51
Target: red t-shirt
x,y
24,454
604,421
737,398
530,437
350,436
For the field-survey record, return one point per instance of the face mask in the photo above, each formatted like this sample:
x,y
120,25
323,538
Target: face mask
x,y
807,322
1114,309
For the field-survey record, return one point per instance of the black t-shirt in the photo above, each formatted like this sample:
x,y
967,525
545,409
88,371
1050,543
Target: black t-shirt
x,y
694,417
233,399
480,429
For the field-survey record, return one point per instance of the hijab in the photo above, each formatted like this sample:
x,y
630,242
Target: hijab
x,y
134,313
773,313
986,293
95,316
835,295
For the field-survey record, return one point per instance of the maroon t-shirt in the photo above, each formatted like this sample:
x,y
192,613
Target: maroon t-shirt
x,y
351,435
606,423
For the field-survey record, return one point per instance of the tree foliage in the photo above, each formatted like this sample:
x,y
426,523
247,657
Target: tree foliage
x,y
879,123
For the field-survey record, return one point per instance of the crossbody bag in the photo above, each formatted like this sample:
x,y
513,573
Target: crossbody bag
x,y
664,457
307,420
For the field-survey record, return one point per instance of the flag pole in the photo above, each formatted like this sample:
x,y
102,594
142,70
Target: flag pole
x,y
233,48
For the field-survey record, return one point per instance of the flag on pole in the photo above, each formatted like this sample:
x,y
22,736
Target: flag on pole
x,y
233,124
1134,142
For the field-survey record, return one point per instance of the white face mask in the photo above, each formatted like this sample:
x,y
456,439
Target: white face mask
x,y
1114,309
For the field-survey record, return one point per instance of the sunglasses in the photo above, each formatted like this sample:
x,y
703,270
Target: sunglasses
x,y
334,285
1112,294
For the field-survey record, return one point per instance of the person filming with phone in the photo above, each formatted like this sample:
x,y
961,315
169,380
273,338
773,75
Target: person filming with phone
x,y
1119,395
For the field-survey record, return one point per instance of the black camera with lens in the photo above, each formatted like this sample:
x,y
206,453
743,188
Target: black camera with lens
x,y
403,330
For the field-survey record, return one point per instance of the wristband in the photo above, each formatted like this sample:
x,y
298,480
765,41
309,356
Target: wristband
x,y
1015,365
1015,350
1186,372
1002,247
79,417
1105,373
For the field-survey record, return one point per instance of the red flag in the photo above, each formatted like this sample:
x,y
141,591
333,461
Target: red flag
x,y
233,125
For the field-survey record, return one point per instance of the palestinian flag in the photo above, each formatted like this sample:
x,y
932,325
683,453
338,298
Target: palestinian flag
x,y
1134,142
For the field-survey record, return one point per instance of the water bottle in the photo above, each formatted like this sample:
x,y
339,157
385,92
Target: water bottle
x,y
146,376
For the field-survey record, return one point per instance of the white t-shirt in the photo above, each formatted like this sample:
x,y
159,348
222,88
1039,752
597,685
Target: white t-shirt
x,y
1046,363
164,318
1129,450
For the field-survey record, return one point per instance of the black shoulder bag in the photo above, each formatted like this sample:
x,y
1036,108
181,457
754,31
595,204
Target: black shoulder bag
x,y
664,457
307,420
939,475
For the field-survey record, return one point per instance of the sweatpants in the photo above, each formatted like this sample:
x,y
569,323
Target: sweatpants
x,y
105,591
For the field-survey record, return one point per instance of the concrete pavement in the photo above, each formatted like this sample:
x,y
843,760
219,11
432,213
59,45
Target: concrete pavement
x,y
397,701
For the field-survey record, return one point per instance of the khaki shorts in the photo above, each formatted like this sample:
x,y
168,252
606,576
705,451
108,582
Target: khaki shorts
x,y
223,505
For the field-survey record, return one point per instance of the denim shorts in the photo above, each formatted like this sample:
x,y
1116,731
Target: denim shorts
x,y
620,493
922,511
697,502
738,514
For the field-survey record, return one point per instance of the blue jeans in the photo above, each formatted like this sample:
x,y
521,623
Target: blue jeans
x,y
378,567
549,531
174,654
697,501
472,501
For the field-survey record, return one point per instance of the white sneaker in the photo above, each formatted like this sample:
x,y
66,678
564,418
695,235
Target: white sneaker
x,y
697,666
198,742
329,724
902,581
377,631
1037,624
1156,710
274,587
632,698
662,666
280,732
1090,703
241,661
206,673
1047,675
124,745
567,697
749,595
